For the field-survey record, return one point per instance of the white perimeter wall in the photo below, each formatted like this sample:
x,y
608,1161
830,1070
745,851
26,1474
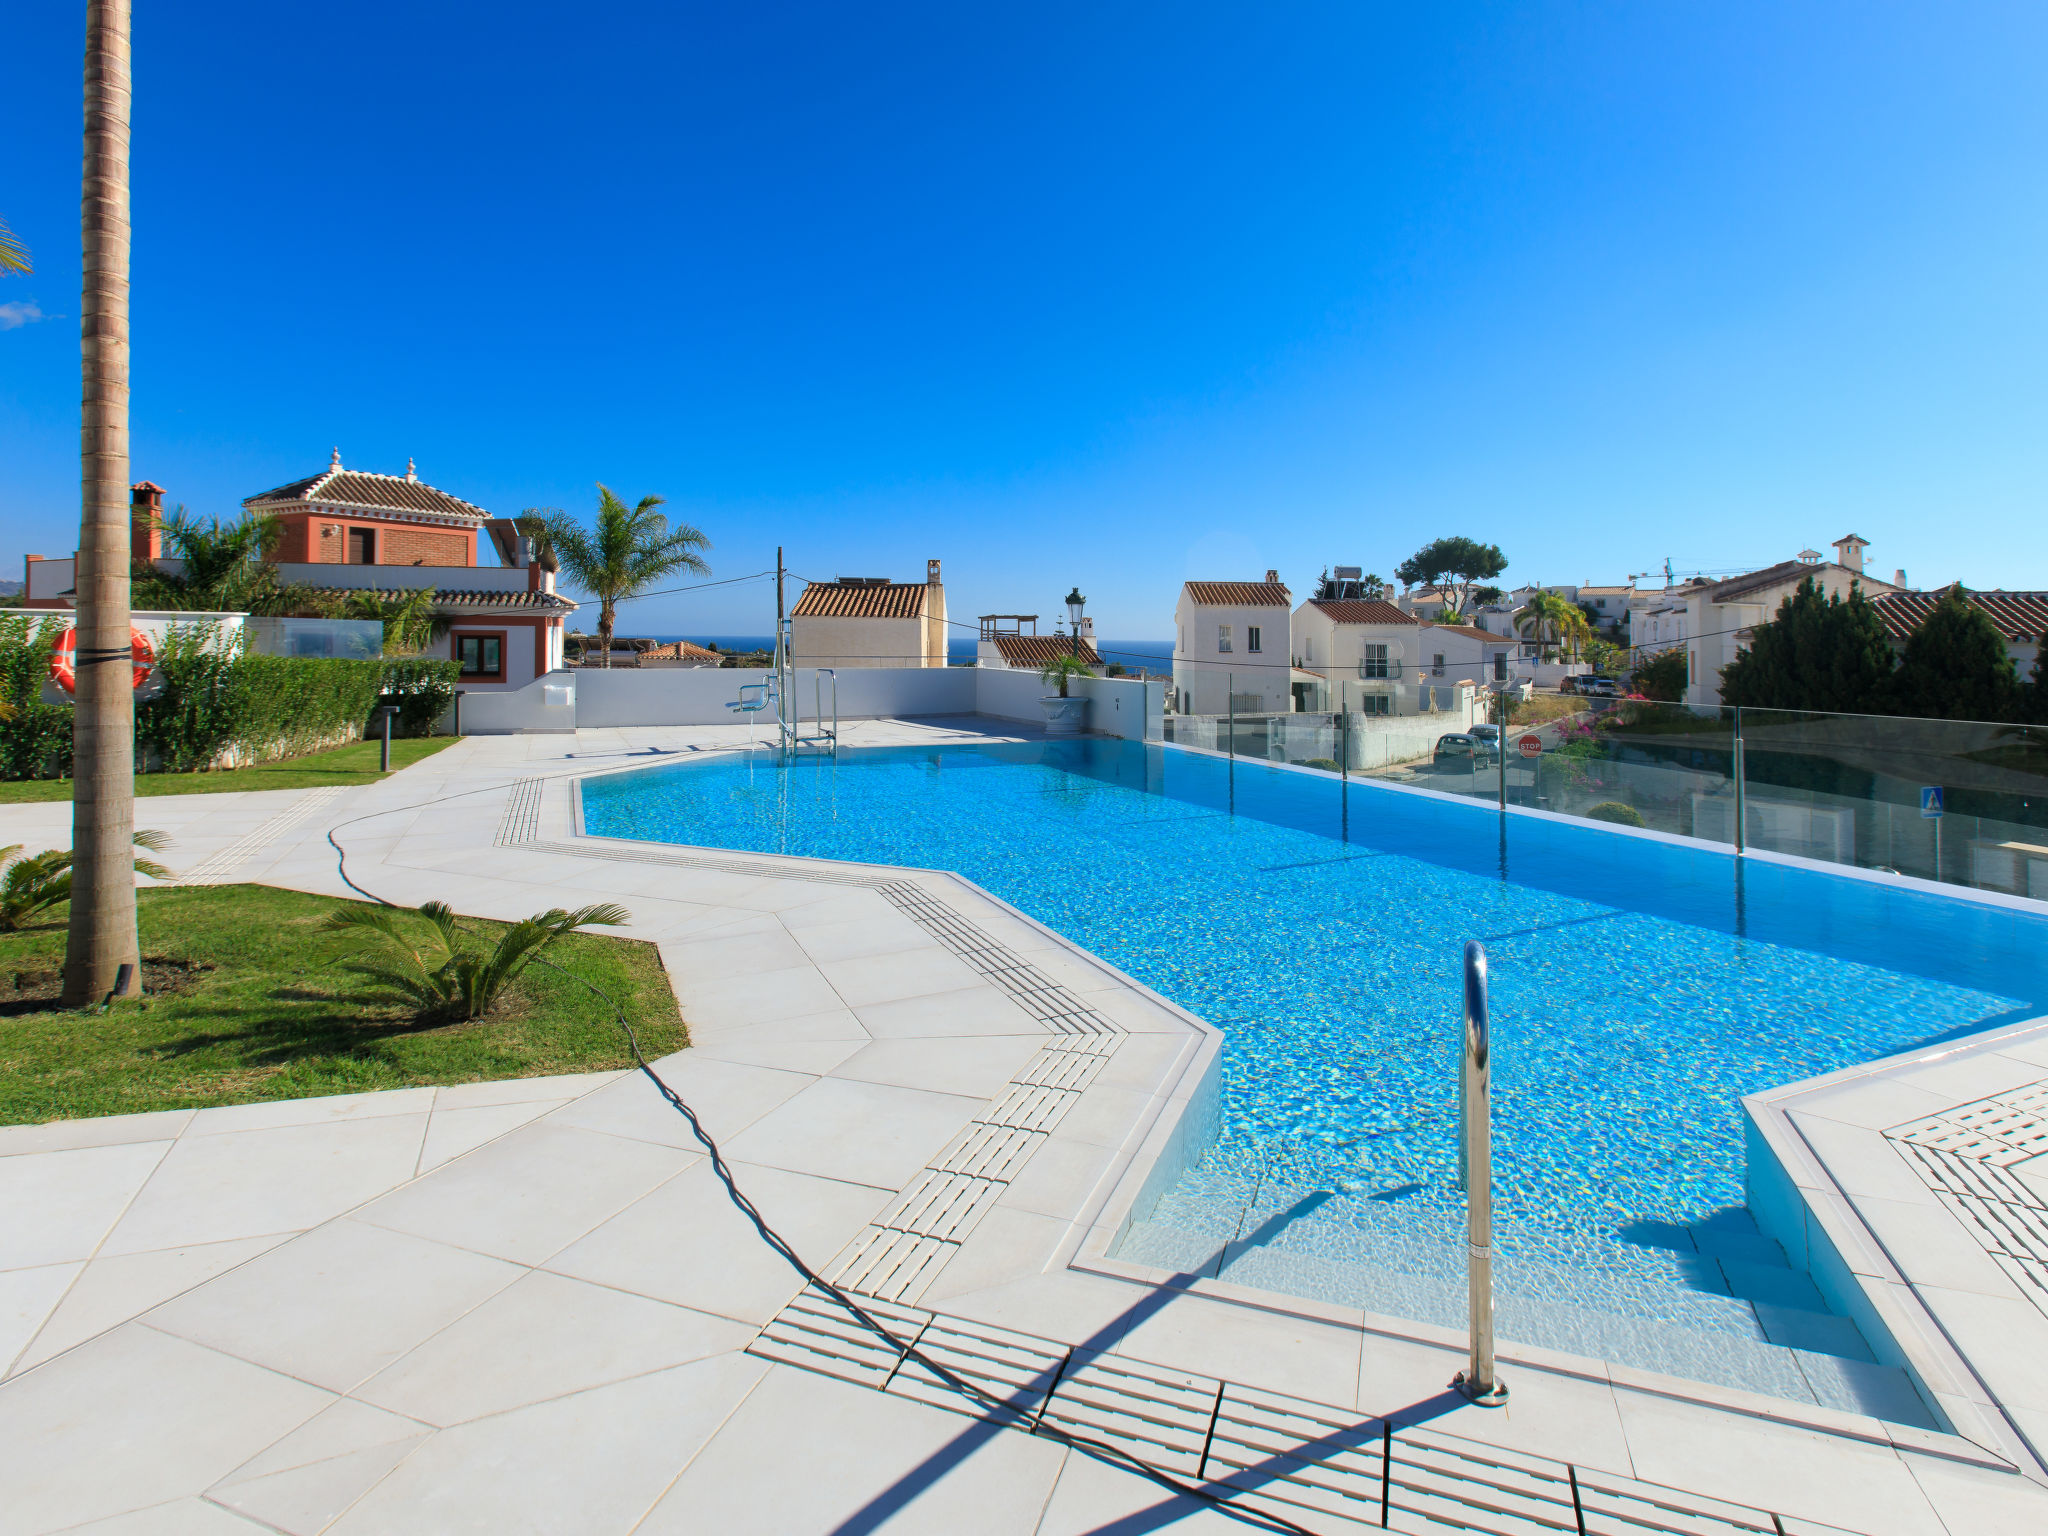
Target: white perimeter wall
x,y
699,696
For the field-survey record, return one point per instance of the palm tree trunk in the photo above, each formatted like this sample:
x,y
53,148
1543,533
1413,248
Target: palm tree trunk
x,y
605,613
102,934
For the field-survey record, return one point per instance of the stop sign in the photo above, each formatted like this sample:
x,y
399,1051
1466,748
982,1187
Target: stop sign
x,y
1530,746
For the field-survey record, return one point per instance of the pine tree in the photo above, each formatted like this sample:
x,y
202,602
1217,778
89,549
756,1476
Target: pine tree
x,y
1820,652
1955,667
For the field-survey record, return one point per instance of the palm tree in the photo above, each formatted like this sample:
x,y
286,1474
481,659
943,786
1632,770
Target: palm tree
x,y
628,550
410,619
222,569
1553,623
13,254
102,936
37,880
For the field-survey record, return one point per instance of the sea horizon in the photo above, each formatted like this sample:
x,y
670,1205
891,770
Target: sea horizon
x,y
1154,655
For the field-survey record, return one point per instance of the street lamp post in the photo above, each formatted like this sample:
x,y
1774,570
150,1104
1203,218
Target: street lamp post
x,y
1075,603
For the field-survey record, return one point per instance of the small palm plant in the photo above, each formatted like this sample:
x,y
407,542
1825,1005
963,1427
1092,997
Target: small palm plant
x,y
446,976
35,882
411,621
1061,670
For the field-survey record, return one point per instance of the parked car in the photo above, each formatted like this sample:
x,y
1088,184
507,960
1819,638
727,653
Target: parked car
x,y
1463,747
1489,734
1600,687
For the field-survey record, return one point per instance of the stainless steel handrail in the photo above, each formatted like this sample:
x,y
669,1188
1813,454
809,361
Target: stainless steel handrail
x,y
1478,1381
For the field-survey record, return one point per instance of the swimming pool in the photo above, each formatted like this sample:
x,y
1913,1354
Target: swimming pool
x,y
1640,989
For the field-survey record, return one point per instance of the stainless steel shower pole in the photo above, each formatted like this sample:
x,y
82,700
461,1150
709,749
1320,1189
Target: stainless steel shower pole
x,y
1478,1381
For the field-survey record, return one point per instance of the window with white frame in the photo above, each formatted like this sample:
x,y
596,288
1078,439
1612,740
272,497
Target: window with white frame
x,y
1251,637
1374,662
1376,704
1436,666
1222,637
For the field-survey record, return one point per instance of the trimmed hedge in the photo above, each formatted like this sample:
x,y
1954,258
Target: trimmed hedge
x,y
35,741
214,705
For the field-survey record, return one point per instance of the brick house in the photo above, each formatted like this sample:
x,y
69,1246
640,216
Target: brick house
x,y
347,531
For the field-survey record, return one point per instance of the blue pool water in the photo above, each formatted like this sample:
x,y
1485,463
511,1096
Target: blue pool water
x,y
1640,989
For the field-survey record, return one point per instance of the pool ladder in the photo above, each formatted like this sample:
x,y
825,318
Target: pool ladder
x,y
790,736
1479,1381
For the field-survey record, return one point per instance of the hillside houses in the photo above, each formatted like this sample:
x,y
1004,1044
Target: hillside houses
x,y
1231,648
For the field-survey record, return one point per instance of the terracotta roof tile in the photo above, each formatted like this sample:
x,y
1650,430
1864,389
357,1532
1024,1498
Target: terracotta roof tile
x,y
862,600
1239,594
465,602
1354,611
2020,616
371,493
1037,650
1472,632
679,650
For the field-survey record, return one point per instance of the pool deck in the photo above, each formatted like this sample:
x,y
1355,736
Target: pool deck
x,y
528,1306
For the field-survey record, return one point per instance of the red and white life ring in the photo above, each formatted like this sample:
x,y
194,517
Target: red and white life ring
x,y
63,660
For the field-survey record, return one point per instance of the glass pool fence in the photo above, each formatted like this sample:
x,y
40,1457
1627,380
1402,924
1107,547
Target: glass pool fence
x,y
1958,801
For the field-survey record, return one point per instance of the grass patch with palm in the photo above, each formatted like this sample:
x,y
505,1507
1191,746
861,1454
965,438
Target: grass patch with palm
x,y
253,997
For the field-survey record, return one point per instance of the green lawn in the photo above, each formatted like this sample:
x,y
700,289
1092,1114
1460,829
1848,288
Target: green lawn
x,y
259,1007
355,763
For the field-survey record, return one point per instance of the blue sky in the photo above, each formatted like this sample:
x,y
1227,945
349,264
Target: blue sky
x,y
1107,294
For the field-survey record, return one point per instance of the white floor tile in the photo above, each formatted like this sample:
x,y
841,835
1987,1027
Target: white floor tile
x,y
528,1195
727,1096
452,1132
1093,1497
84,1444
688,1243
545,1337
863,1132
114,1288
979,1066
591,1464
27,1298
56,1207
1318,1361
1788,1471
338,1304
304,1501
253,1183
870,1462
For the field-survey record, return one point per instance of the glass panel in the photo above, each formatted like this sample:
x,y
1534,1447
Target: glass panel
x,y
1959,801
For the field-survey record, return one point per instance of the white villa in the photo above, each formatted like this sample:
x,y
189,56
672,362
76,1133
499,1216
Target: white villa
x,y
1719,616
871,621
1231,648
1383,661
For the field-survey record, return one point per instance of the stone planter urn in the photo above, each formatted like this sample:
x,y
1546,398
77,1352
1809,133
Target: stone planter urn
x,y
1064,717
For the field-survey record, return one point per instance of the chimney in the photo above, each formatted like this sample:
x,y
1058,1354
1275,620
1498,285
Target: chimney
x,y
1898,578
1272,578
931,573
1849,552
145,507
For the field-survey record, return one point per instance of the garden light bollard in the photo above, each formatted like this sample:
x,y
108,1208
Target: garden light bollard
x,y
384,759
1478,1381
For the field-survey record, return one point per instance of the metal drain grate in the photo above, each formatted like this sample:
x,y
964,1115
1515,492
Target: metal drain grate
x,y
521,821
1308,1462
1966,1155
220,868
1279,1452
816,1333
1158,1415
